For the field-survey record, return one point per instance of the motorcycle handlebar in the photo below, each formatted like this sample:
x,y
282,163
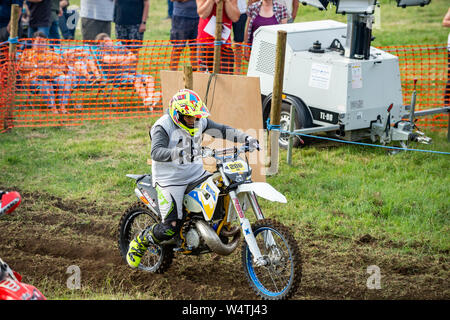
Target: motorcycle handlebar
x,y
221,153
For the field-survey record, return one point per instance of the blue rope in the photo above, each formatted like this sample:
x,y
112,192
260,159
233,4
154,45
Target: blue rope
x,y
270,126
274,127
10,40
13,40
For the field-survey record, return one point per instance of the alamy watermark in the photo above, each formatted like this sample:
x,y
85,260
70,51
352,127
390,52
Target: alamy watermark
x,y
74,281
374,281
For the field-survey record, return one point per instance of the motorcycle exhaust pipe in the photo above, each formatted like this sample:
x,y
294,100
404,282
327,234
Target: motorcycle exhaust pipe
x,y
230,233
213,241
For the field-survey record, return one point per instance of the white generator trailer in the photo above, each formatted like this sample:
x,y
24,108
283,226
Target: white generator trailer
x,y
336,82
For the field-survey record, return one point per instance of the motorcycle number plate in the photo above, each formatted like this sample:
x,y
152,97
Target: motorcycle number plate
x,y
236,166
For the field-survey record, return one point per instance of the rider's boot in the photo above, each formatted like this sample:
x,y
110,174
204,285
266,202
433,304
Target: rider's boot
x,y
139,246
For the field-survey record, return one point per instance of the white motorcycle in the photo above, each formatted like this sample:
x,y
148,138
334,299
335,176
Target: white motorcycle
x,y
212,206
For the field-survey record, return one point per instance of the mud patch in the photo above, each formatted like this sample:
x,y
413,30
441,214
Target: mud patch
x,y
47,234
367,238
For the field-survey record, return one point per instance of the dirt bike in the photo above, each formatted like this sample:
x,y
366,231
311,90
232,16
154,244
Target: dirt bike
x,y
270,254
11,285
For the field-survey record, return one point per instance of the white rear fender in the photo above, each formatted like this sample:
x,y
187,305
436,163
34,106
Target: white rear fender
x,y
263,190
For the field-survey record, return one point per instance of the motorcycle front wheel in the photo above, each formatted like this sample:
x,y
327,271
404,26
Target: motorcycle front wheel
x,y
136,218
281,276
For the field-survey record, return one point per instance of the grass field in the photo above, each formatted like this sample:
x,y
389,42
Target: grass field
x,y
349,206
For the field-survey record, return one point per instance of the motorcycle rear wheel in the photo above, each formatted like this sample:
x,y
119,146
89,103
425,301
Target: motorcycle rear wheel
x,y
280,278
136,218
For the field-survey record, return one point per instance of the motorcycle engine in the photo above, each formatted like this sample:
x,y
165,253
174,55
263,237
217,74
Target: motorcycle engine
x,y
193,238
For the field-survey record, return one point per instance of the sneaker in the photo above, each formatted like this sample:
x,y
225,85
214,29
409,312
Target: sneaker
x,y
138,247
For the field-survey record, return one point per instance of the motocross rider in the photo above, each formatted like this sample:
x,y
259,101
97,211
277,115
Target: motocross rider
x,y
176,163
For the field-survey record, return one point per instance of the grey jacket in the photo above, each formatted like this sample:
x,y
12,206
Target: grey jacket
x,y
176,155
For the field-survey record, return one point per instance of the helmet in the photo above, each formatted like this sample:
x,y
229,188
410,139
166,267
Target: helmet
x,y
187,103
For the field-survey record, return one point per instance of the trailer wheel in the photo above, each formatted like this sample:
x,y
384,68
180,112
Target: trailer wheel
x,y
302,120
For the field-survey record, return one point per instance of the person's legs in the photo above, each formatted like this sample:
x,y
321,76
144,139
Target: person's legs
x,y
447,88
238,39
31,31
46,93
145,88
63,87
153,97
62,23
205,58
169,9
90,28
131,34
170,202
72,17
177,34
140,88
191,35
53,32
227,60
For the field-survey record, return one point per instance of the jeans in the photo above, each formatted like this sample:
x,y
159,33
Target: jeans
x,y
31,31
51,88
53,32
67,23
169,8
447,87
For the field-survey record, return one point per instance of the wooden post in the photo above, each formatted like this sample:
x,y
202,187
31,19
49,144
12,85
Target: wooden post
x,y
188,78
275,110
218,37
11,82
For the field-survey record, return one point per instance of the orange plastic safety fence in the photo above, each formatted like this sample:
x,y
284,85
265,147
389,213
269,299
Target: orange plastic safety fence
x,y
429,64
69,82
6,90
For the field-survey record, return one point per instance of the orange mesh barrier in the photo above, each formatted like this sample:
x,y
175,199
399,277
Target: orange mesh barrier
x,y
6,90
72,81
429,64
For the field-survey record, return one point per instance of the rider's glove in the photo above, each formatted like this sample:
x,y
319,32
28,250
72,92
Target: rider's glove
x,y
252,143
177,154
207,152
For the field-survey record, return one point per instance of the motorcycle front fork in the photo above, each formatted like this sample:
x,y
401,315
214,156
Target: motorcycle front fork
x,y
247,229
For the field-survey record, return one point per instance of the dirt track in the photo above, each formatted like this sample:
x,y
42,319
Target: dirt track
x,y
48,234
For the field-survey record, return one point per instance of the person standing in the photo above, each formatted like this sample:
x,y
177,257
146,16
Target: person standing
x,y
263,13
292,8
238,35
53,33
206,10
67,20
130,17
40,16
5,17
184,27
45,72
446,23
96,17
169,9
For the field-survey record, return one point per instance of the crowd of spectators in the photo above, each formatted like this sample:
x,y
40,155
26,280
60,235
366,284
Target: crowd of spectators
x,y
53,74
191,20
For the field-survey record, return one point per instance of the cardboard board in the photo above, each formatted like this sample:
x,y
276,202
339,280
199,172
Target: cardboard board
x,y
232,100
